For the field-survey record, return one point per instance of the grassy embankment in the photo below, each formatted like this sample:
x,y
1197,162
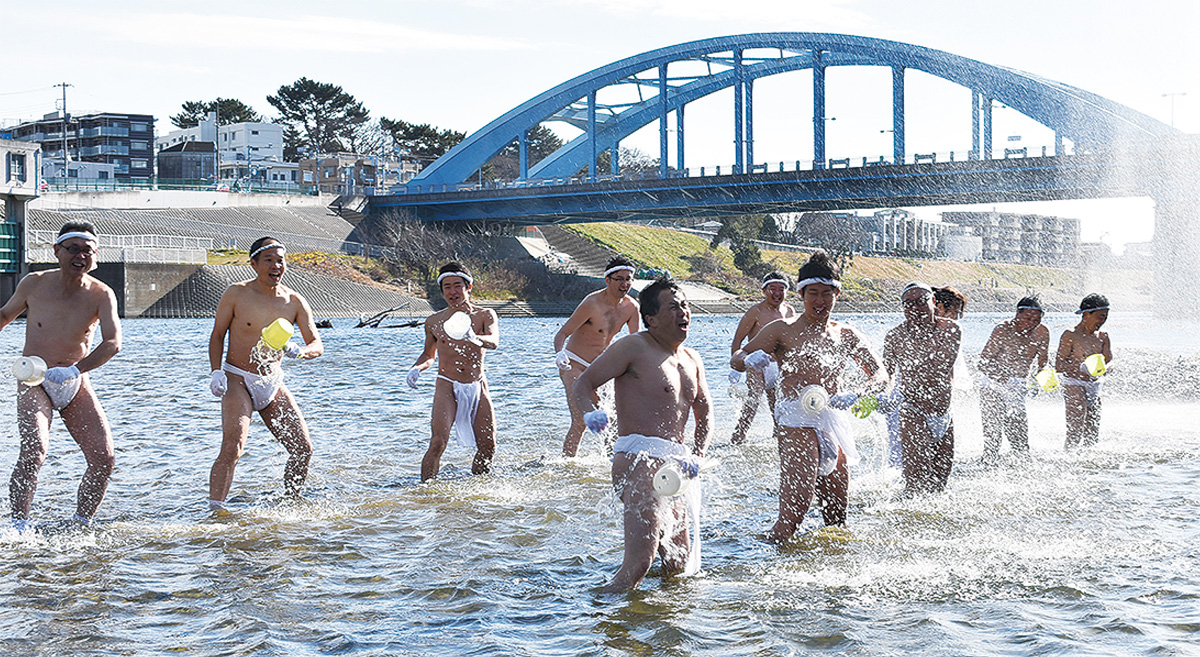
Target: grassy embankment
x,y
688,256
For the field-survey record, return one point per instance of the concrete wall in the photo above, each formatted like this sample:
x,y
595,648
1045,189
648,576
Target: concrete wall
x,y
166,199
147,283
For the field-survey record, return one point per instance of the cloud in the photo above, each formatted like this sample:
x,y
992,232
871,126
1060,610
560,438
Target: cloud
x,y
806,15
292,34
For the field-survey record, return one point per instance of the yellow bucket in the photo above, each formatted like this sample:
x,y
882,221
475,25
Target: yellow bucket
x,y
1095,364
1047,379
277,334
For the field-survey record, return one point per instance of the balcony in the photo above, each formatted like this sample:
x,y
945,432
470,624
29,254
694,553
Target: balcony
x,y
104,131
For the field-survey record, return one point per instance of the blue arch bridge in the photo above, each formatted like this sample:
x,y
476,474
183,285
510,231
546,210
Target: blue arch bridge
x,y
1100,149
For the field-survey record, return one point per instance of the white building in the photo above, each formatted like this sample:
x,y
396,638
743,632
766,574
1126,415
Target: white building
x,y
241,147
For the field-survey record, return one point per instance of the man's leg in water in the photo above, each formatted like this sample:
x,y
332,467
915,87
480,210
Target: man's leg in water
x,y
943,461
917,458
441,424
991,407
634,478
33,423
575,433
1091,423
833,494
755,386
236,408
1075,404
485,433
1016,425
85,419
798,456
282,416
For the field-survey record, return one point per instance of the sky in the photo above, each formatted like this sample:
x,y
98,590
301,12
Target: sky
x,y
461,63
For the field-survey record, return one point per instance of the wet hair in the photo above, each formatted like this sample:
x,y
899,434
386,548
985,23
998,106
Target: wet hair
x,y
258,243
777,275
453,267
619,261
77,226
648,298
819,265
1092,302
950,298
1030,302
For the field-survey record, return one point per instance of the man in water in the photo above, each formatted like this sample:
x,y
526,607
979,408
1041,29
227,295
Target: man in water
x,y
773,306
63,308
1004,367
588,332
461,401
920,354
249,378
1081,389
815,449
658,383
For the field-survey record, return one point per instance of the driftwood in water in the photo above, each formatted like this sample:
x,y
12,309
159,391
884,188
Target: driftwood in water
x,y
374,320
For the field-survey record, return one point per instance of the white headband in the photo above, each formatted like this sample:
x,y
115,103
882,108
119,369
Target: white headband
x,y
837,285
1089,310
774,280
83,234
264,247
916,286
612,270
461,274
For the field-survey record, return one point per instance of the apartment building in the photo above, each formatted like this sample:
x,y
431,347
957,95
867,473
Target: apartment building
x,y
125,141
1027,239
244,150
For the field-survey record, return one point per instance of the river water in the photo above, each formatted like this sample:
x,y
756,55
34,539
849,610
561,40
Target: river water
x,y
1092,552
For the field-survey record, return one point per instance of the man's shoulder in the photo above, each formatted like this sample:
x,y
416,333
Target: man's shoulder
x,y
97,286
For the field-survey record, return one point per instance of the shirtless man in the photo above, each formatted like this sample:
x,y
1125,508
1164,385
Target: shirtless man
x,y
589,330
1004,368
63,308
920,354
461,401
1081,390
772,307
658,383
247,380
815,450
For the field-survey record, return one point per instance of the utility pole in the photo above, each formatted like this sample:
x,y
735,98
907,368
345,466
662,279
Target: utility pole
x,y
66,159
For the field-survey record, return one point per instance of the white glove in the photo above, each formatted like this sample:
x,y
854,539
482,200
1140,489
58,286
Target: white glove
x,y
843,400
735,377
596,421
757,359
411,379
472,338
61,374
563,360
291,350
219,383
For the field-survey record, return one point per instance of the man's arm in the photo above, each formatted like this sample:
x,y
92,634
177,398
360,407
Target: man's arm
x,y
610,364
17,303
216,341
1043,354
861,353
313,346
1065,344
110,331
1106,348
490,337
767,341
578,318
745,325
701,409
635,318
429,351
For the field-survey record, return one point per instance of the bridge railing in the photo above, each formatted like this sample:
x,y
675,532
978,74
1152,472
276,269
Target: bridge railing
x,y
721,170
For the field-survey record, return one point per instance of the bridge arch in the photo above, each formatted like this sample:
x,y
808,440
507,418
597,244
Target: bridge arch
x,y
1088,120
